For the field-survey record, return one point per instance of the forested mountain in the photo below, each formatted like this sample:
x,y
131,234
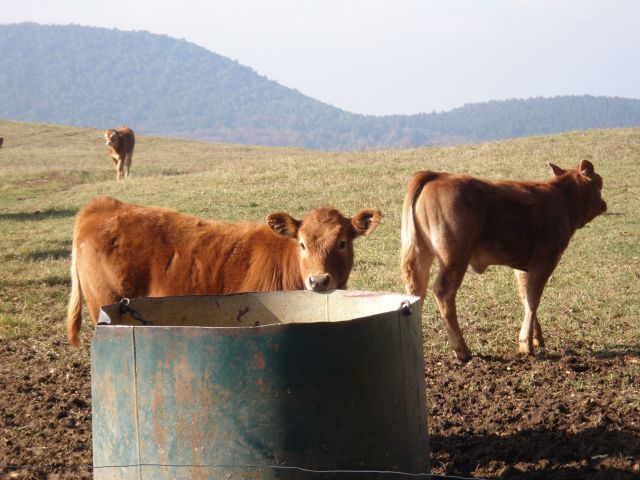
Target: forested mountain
x,y
160,85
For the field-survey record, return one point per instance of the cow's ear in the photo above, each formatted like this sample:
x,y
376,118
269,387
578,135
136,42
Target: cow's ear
x,y
557,171
283,224
587,169
365,221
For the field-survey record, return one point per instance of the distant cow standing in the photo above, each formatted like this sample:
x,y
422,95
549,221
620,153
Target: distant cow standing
x,y
466,221
1,141
121,250
120,142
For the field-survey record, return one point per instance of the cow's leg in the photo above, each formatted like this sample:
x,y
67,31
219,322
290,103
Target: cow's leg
x,y
445,289
535,282
95,302
120,169
417,277
522,279
127,164
115,165
96,288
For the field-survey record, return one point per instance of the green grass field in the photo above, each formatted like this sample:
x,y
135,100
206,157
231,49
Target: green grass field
x,y
592,302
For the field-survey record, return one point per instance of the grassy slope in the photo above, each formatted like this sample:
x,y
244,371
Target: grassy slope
x,y
47,172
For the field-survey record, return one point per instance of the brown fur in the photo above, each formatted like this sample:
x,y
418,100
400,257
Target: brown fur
x,y
122,250
1,141
464,221
120,142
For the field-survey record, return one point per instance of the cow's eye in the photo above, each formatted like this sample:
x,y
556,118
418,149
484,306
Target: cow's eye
x,y
302,246
342,245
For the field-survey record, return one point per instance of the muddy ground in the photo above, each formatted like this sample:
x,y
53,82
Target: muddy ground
x,y
557,416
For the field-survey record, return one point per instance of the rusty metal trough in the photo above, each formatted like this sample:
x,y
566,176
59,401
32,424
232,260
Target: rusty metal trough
x,y
259,385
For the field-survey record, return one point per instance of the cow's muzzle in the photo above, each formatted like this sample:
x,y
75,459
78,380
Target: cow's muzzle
x,y
319,283
603,206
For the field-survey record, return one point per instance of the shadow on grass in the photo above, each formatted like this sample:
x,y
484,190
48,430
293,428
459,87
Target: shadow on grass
x,y
38,215
619,351
540,453
569,356
49,280
170,172
57,250
49,254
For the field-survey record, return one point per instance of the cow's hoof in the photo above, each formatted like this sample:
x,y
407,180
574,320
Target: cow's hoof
x,y
464,356
525,348
538,343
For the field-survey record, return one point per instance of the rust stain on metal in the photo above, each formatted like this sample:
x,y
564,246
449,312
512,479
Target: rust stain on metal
x,y
241,313
170,357
183,381
261,363
158,415
197,446
109,397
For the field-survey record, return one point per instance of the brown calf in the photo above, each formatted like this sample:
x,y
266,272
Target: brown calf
x,y
466,221
120,142
121,250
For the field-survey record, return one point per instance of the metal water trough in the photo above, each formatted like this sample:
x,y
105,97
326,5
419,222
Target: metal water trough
x,y
259,385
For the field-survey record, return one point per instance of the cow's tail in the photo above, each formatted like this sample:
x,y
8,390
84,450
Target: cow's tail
x,y
411,243
74,309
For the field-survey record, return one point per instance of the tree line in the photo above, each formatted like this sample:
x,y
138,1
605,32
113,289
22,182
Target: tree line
x,y
160,85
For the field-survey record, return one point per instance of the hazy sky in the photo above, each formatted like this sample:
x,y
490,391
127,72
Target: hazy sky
x,y
393,56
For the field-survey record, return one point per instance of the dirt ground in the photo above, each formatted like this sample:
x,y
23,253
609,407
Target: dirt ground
x,y
555,416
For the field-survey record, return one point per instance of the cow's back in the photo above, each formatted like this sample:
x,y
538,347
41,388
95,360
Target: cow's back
x,y
107,234
132,251
130,244
127,141
522,219
488,222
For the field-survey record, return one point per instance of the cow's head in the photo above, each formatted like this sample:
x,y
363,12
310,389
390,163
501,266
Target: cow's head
x,y
325,243
590,186
111,138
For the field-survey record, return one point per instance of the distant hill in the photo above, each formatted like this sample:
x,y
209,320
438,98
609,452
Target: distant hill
x,y
101,78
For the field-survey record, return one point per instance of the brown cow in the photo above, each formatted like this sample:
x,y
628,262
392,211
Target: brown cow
x,y
120,142
122,250
1,141
525,225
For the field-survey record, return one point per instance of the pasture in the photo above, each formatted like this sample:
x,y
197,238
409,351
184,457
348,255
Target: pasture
x,y
572,411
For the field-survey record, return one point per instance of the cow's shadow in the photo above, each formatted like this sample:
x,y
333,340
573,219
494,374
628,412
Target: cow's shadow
x,y
539,451
57,250
618,351
613,351
47,214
